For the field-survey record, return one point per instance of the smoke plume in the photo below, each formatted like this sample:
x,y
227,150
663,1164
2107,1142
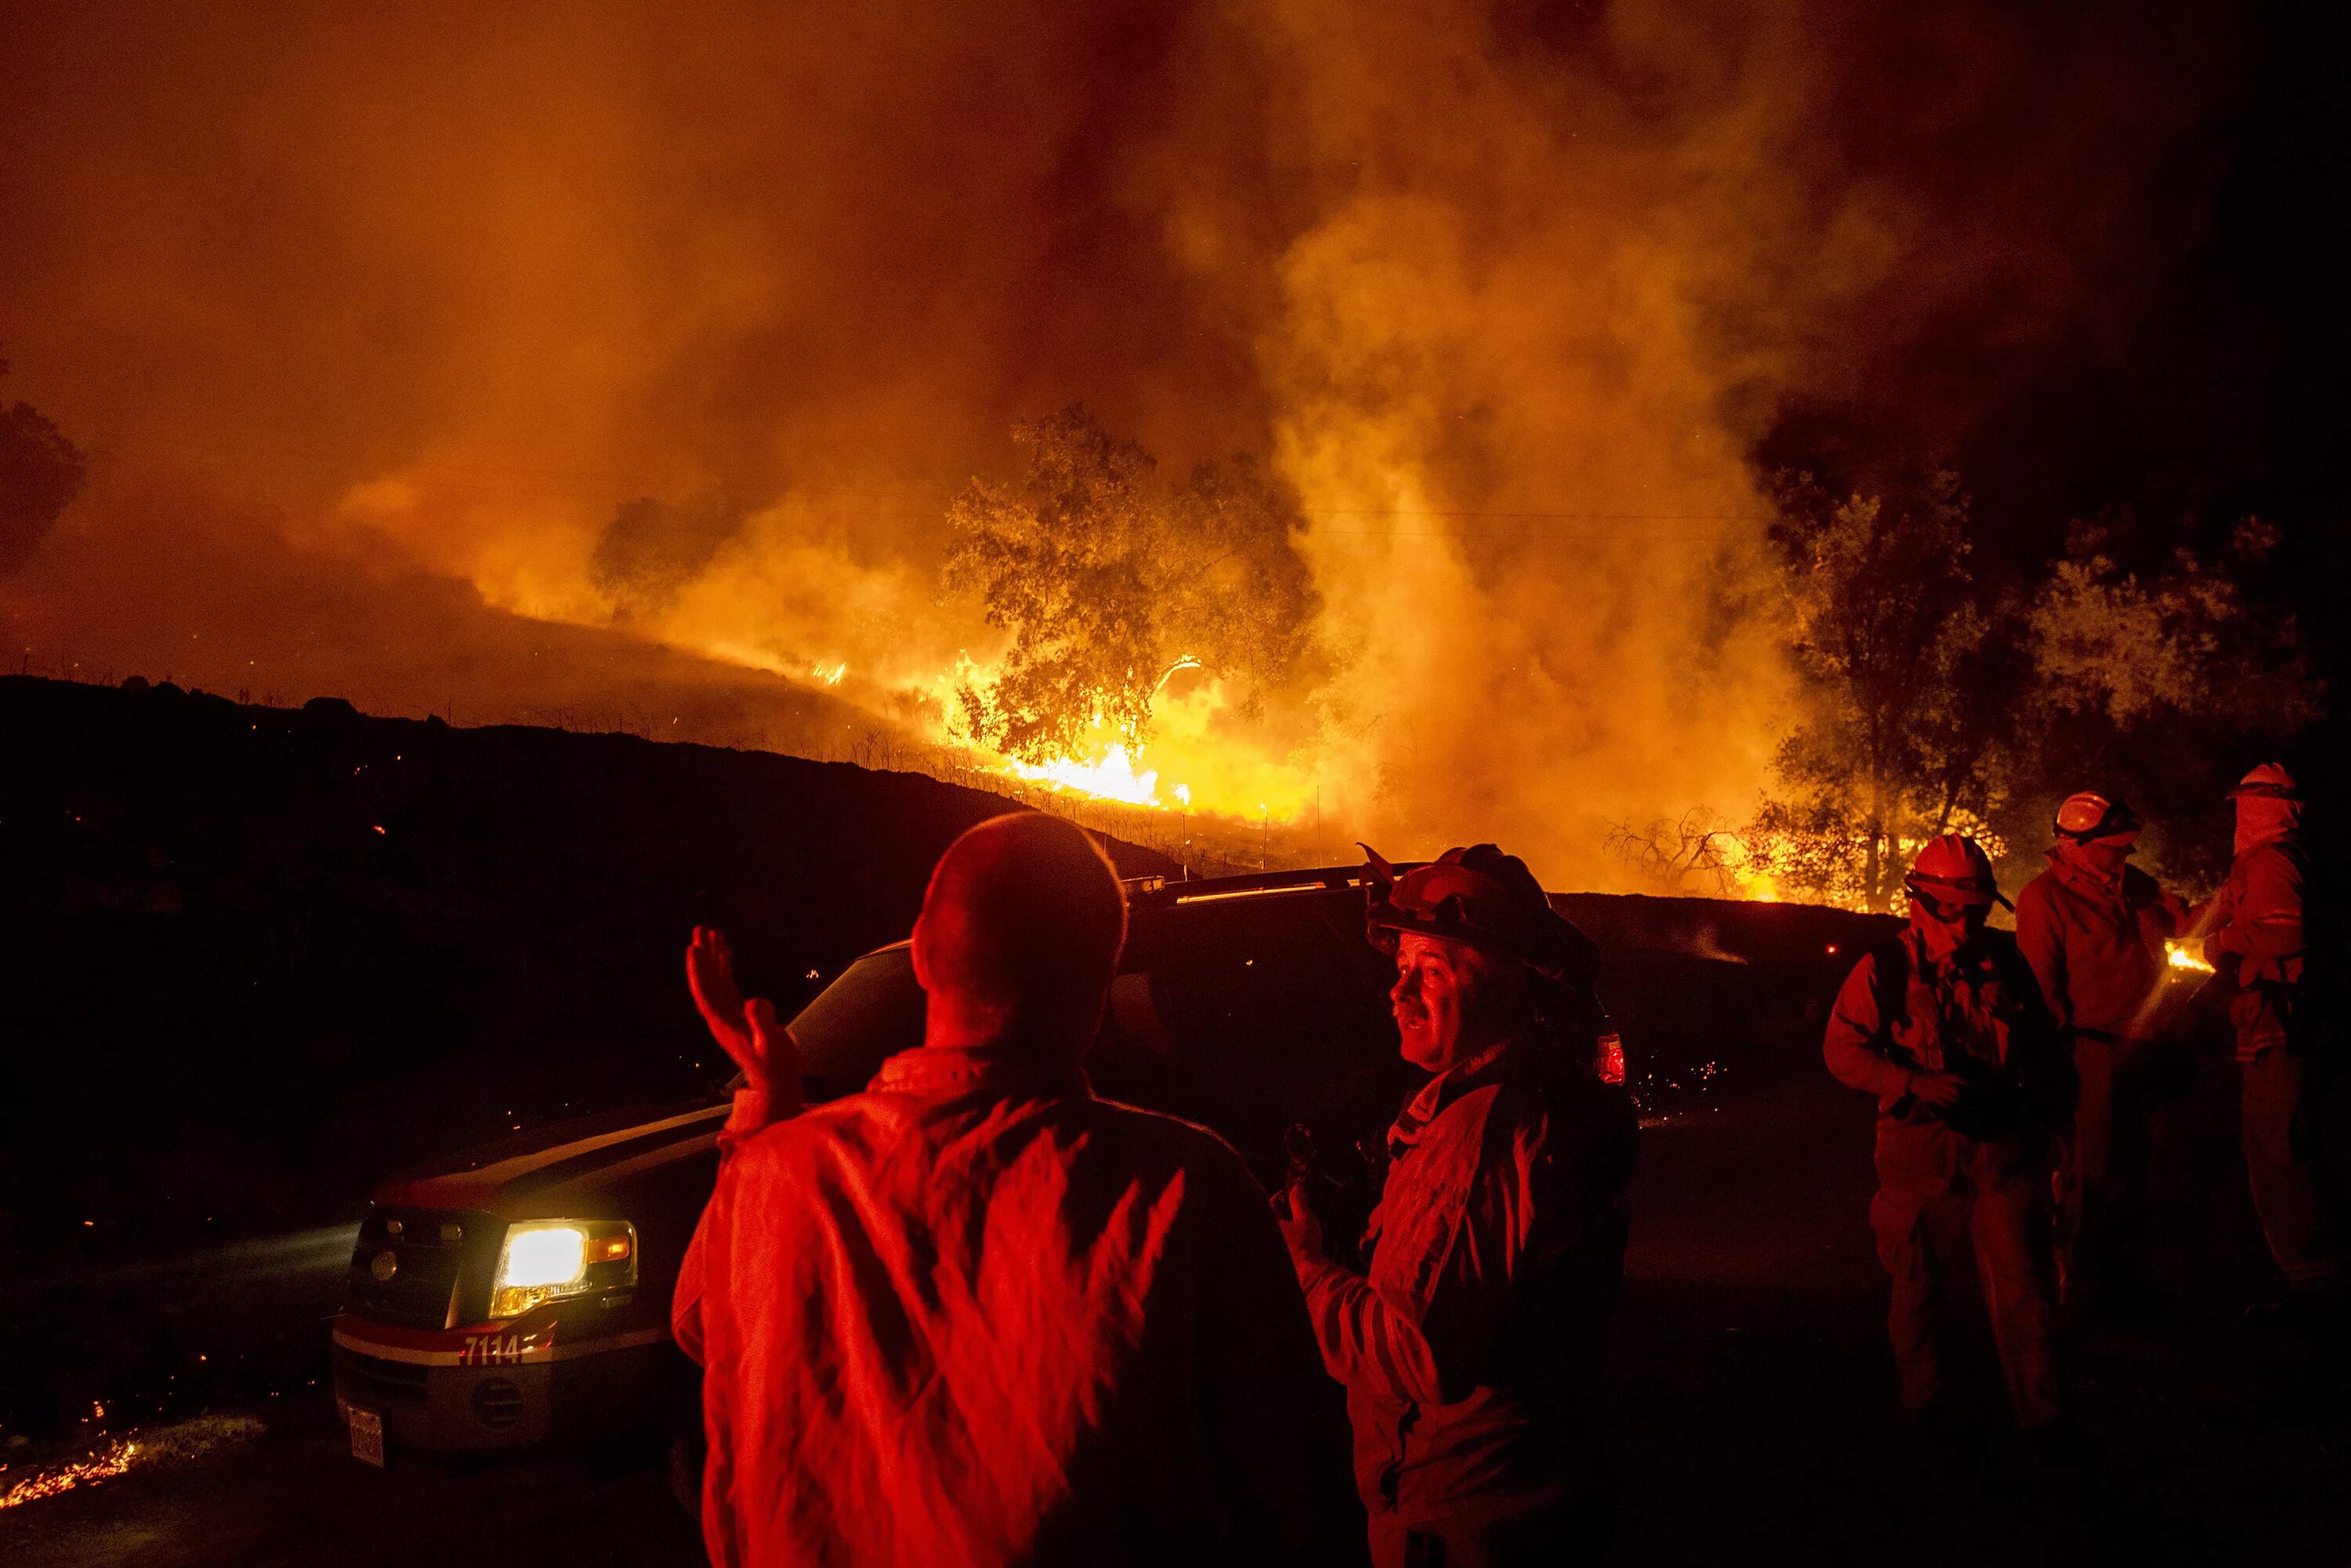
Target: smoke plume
x,y
406,338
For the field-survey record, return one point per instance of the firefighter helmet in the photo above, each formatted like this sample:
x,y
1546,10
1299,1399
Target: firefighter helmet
x,y
2090,815
1954,869
2270,781
1482,898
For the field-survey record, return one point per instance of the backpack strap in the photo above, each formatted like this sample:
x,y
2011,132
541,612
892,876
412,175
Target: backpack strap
x,y
1889,983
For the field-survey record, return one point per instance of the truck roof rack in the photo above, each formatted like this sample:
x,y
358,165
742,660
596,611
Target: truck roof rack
x,y
1159,889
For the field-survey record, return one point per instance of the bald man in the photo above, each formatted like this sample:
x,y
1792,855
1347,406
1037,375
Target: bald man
x,y
974,1315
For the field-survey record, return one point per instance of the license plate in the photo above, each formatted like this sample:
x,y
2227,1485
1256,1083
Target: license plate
x,y
367,1436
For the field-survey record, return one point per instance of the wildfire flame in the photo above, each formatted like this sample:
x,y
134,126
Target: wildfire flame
x,y
1186,760
1114,776
646,396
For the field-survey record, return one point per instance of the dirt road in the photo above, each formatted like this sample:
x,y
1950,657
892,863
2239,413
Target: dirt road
x,y
1754,1401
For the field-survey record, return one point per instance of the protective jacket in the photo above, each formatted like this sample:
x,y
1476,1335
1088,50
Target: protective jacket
x,y
1965,1180
1976,1013
976,1316
2257,919
2093,930
1472,1354
2095,941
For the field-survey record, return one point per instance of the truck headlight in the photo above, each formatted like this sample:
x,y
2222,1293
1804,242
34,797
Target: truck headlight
x,y
546,1260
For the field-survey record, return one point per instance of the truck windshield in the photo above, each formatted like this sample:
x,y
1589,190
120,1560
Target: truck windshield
x,y
873,1010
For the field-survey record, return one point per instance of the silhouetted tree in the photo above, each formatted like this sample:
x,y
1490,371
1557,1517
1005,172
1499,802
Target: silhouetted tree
x,y
1694,854
1109,583
41,473
1933,702
1896,662
2164,683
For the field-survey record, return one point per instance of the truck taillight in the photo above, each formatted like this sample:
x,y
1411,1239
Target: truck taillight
x,y
1612,1059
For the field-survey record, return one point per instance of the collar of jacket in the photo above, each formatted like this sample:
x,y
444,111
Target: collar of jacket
x,y
2079,872
1970,960
1443,1090
1004,1070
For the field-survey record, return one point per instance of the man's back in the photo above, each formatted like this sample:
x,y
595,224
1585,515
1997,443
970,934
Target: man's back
x,y
975,1316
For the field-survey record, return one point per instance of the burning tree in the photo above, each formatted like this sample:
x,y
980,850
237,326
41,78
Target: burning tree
x,y
1900,673
1111,582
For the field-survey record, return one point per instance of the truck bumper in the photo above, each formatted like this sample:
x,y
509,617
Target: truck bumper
x,y
500,1387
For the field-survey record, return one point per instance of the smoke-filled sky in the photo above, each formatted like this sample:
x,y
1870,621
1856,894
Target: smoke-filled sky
x,y
373,317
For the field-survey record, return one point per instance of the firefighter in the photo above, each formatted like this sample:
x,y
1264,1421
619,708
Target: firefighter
x,y
1945,1027
974,1315
2257,921
2093,927
1472,1351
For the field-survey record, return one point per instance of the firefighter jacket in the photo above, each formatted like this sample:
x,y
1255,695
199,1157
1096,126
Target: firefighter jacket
x,y
2257,914
1472,1354
2095,941
976,1316
2257,919
1977,1014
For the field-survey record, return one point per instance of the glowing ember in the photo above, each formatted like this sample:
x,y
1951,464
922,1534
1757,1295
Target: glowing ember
x,y
162,1447
52,1479
2188,956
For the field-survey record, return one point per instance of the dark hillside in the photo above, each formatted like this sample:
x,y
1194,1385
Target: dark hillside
x,y
259,957
256,957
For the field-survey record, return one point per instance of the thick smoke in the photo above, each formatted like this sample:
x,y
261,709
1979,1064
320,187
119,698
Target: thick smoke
x,y
407,306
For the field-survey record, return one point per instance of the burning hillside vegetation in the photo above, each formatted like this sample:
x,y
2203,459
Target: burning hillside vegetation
x,y
1418,425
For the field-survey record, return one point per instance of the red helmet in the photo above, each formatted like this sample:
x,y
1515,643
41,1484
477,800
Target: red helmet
x,y
2090,815
1479,898
1954,870
2270,781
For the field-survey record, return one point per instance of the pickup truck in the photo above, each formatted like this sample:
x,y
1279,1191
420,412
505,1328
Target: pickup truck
x,y
520,1298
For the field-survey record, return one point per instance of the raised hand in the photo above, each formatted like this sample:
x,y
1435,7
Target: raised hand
x,y
1299,1228
778,1054
710,976
747,1031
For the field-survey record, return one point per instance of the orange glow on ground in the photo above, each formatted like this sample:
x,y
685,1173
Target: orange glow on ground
x,y
50,1481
